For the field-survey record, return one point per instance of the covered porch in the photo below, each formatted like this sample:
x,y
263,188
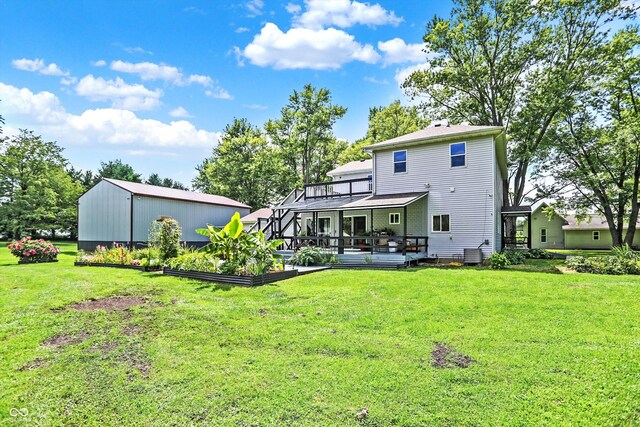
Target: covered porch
x,y
362,229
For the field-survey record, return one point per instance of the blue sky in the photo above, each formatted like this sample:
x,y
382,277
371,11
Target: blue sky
x,y
154,82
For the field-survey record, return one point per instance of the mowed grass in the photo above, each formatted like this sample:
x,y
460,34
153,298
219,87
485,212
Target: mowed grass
x,y
547,349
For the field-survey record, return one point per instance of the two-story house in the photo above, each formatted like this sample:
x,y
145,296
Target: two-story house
x,y
432,193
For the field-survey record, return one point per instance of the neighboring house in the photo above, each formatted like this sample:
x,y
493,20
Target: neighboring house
x,y
432,193
546,232
122,212
256,219
566,232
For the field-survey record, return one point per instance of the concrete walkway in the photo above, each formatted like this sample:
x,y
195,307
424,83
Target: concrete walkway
x,y
302,270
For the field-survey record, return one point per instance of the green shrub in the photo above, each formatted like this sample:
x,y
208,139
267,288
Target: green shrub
x,y
625,252
308,255
614,265
35,250
196,261
514,256
164,234
498,261
538,254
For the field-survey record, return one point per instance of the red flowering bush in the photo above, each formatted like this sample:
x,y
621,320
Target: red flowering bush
x,y
34,250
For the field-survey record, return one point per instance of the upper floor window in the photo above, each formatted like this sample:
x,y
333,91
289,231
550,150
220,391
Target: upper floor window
x,y
400,161
458,154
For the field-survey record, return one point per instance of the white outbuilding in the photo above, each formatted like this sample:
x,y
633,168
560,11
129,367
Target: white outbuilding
x,y
122,212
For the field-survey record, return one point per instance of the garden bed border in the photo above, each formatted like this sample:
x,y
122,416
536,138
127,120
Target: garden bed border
x,y
129,267
27,260
232,279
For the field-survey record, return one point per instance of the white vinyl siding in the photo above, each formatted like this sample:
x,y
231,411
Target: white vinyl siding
x,y
471,195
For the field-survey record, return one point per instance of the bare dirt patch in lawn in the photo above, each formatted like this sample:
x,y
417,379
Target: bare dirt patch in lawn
x,y
136,362
112,303
36,363
65,339
446,357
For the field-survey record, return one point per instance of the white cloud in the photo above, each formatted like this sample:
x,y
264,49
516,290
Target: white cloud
x,y
99,63
179,112
242,30
343,14
306,48
218,93
403,73
42,111
193,9
69,81
396,51
137,49
38,65
167,73
255,106
375,81
293,8
254,7
122,95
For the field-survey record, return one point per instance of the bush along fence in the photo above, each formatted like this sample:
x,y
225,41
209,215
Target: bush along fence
x,y
31,251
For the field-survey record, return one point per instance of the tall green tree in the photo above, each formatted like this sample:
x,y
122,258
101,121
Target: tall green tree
x,y
154,179
305,136
595,159
36,192
244,167
115,169
384,123
513,63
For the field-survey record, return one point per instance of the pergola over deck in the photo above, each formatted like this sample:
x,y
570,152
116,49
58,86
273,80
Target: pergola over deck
x,y
516,212
369,203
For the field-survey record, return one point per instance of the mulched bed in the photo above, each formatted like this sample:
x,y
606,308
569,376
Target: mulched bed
x,y
446,357
113,303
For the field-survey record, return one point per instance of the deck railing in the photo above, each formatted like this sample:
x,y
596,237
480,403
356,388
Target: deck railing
x,y
371,244
515,242
346,188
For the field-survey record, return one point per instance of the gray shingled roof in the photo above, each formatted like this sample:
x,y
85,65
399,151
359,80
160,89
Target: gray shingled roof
x,y
253,216
437,133
174,194
592,222
353,167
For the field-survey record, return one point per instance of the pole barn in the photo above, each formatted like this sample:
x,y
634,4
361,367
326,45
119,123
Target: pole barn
x,y
122,212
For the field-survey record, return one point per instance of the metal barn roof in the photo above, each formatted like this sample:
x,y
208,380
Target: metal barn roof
x,y
174,194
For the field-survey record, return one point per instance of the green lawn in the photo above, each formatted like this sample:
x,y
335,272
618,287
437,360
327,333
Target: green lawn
x,y
582,252
546,349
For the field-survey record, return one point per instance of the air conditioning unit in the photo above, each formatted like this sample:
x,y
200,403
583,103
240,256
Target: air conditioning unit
x,y
472,256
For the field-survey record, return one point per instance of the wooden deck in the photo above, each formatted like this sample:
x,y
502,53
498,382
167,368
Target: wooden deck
x,y
364,259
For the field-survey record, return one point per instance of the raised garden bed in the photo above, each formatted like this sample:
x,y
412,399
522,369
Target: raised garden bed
x,y
232,279
130,267
27,260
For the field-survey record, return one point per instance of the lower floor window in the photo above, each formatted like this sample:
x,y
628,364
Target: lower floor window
x,y
394,218
543,235
596,235
440,223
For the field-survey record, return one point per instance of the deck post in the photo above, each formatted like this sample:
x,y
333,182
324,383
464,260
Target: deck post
x,y
404,222
371,231
340,232
529,236
295,230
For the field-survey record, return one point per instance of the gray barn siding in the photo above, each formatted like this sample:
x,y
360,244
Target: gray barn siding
x,y
469,205
103,214
190,216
